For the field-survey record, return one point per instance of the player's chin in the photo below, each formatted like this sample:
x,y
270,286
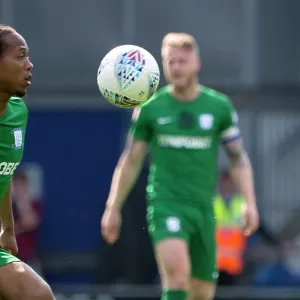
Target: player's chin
x,y
21,93
180,83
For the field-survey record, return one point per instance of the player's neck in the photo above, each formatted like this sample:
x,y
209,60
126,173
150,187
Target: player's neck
x,y
188,93
4,98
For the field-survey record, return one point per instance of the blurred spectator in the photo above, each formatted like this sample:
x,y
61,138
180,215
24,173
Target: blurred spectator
x,y
263,251
231,241
285,269
27,212
263,246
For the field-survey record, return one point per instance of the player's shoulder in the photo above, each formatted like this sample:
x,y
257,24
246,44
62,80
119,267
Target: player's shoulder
x,y
163,92
158,99
215,96
154,104
18,101
18,104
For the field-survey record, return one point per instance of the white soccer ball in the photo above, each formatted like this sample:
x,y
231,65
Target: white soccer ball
x,y
128,76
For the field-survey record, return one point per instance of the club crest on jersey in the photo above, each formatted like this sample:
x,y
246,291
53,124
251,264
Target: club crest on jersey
x,y
18,136
206,121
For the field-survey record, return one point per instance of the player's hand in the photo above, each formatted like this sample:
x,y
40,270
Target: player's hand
x,y
251,219
110,225
8,241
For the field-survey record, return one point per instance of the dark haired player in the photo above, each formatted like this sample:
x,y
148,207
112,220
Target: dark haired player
x,y
17,280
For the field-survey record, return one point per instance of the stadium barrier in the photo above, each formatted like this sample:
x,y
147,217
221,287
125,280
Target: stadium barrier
x,y
128,292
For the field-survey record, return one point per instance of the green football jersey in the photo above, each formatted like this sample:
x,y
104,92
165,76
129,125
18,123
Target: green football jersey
x,y
184,138
12,134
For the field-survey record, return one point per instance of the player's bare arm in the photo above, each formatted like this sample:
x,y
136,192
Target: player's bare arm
x,y
7,235
6,214
126,172
242,175
124,178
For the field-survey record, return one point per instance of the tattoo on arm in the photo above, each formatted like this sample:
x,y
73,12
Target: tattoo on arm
x,y
237,154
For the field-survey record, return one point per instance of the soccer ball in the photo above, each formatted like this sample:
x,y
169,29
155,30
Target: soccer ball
x,y
128,76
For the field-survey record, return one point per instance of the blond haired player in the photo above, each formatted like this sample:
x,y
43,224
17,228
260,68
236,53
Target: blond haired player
x,y
183,125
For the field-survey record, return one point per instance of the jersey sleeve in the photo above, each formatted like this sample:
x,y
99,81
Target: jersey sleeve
x,y
229,129
140,127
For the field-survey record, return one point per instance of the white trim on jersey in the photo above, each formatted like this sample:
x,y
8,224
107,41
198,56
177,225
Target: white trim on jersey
x,y
230,134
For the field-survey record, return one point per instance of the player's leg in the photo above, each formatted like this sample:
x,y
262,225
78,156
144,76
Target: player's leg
x,y
201,290
174,267
19,281
203,257
169,236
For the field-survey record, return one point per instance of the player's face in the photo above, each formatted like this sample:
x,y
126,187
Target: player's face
x,y
180,66
15,66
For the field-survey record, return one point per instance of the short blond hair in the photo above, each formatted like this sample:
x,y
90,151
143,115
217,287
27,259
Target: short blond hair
x,y
181,40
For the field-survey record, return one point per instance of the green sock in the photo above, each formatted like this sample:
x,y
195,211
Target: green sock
x,y
174,295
